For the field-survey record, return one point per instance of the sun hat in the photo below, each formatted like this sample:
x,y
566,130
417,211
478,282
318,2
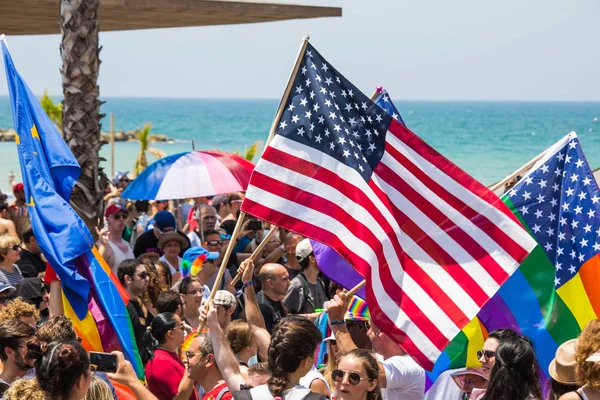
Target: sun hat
x,y
562,367
115,209
224,298
173,237
164,220
469,379
303,249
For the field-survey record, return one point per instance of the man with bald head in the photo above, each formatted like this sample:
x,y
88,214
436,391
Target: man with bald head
x,y
275,282
292,265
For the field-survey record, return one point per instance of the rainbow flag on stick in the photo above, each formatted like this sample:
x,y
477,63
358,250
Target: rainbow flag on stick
x,y
556,290
93,298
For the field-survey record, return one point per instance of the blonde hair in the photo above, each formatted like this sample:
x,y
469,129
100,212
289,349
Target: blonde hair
x,y
238,336
28,389
17,308
588,373
6,243
99,390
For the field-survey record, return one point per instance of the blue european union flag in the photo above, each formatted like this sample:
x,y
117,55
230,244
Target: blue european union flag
x,y
49,172
384,101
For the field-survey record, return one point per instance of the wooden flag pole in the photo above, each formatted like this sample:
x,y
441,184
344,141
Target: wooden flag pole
x,y
355,289
112,144
530,164
257,251
238,225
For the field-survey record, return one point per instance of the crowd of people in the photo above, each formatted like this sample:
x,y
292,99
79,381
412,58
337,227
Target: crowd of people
x,y
261,335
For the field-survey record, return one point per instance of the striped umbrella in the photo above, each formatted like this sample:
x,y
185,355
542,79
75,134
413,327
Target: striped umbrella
x,y
192,174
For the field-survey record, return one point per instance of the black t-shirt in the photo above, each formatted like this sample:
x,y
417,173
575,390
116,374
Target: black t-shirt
x,y
272,311
139,321
148,243
30,264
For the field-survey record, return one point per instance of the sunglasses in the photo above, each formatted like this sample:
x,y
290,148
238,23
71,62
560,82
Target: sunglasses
x,y
16,247
117,217
214,242
486,354
143,275
195,292
353,377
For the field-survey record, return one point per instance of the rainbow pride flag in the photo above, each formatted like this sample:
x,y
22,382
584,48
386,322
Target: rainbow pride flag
x,y
556,290
93,298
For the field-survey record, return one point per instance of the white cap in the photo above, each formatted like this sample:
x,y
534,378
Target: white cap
x,y
303,249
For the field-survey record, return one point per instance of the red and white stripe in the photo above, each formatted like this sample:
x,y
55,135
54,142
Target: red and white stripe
x,y
433,243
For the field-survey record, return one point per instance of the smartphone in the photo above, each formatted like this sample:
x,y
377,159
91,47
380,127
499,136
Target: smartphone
x,y
255,225
104,362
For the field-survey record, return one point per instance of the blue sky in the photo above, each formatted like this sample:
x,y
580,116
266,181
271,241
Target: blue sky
x,y
417,49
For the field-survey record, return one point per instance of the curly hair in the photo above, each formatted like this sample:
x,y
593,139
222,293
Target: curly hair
x,y
17,308
56,329
294,339
25,389
588,373
154,286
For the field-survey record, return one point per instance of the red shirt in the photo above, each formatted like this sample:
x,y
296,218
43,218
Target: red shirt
x,y
163,374
213,394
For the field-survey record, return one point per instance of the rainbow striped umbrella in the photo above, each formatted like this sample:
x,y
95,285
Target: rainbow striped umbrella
x,y
192,174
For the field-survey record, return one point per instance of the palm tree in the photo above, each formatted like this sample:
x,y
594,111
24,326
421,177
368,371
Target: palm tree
x,y
250,152
79,51
53,110
141,162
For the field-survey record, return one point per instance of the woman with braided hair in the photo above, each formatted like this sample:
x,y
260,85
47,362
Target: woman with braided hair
x,y
515,374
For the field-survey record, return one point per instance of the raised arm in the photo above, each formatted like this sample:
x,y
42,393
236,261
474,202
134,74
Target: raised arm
x,y
226,361
336,310
253,314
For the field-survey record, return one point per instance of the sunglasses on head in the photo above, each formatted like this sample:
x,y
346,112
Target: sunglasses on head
x,y
119,216
214,242
486,354
353,377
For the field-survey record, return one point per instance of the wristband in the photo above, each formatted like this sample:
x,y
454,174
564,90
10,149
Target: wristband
x,y
240,292
337,322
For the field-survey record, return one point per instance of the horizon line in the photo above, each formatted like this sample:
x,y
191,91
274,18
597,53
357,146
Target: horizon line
x,y
393,99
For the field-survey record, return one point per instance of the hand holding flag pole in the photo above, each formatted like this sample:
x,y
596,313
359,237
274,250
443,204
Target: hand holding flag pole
x,y
242,215
257,251
524,168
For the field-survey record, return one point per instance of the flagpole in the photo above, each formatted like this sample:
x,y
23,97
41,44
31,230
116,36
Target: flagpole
x,y
530,164
238,225
355,289
256,252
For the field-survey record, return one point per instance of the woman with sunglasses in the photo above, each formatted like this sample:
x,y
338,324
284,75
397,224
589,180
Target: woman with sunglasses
x,y
10,252
515,373
165,372
356,376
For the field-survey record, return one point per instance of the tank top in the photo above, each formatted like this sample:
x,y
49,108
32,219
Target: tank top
x,y
119,254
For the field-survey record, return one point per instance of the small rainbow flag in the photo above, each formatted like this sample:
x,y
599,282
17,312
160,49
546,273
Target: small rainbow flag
x,y
358,310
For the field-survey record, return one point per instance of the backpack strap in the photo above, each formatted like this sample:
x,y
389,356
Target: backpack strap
x,y
304,294
242,395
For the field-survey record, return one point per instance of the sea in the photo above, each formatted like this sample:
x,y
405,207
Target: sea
x,y
489,140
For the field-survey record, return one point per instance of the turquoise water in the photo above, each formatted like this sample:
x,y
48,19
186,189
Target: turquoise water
x,y
487,139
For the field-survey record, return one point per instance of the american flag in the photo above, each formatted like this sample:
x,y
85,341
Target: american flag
x,y
560,202
433,244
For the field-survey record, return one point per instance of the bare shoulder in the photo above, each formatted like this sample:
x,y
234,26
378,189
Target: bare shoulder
x,y
570,396
318,386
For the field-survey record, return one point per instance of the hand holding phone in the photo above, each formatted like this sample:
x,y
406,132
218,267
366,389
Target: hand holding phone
x,y
254,225
103,362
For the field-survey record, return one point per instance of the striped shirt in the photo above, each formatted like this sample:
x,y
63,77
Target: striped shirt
x,y
11,278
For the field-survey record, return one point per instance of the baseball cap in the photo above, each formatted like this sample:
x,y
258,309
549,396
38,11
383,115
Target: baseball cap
x,y
164,220
114,209
5,287
224,298
218,200
192,253
303,249
18,187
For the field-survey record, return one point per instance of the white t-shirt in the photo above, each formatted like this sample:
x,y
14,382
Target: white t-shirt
x,y
313,374
171,268
405,379
444,387
296,393
194,239
119,254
